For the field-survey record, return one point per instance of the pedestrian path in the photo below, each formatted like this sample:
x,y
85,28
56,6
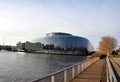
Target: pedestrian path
x,y
94,73
116,67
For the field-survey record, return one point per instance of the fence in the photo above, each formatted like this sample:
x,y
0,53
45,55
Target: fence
x,y
66,74
110,73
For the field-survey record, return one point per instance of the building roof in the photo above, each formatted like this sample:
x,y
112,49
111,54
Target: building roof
x,y
58,33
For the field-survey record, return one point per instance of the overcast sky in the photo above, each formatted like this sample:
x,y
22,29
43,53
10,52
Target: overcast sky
x,y
22,20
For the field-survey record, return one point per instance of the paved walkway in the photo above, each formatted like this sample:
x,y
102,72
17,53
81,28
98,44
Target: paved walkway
x,y
93,73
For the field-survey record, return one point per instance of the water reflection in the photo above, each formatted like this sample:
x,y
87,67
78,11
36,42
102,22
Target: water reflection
x,y
22,67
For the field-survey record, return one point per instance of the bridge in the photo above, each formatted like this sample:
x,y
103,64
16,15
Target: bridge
x,y
94,70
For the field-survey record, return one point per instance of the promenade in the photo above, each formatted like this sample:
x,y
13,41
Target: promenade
x,y
94,73
116,67
95,70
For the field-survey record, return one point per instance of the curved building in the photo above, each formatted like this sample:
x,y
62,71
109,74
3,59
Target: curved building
x,y
66,41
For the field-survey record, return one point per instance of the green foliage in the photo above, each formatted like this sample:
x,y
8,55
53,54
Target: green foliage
x,y
117,56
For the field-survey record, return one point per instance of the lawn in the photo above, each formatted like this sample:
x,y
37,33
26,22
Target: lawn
x,y
117,56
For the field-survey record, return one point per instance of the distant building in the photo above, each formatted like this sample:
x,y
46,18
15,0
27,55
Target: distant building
x,y
29,46
58,41
116,51
19,45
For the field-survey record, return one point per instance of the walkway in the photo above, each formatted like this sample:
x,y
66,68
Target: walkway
x,y
116,67
94,73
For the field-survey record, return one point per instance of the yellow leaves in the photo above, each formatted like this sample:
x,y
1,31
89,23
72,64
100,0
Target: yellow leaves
x,y
107,44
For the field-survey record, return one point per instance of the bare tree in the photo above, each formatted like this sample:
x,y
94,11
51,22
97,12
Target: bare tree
x,y
107,44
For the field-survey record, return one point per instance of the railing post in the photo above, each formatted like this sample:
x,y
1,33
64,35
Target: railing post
x,y
73,72
65,76
78,68
73,69
52,78
81,66
84,65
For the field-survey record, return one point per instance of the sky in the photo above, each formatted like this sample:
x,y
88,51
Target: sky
x,y
25,20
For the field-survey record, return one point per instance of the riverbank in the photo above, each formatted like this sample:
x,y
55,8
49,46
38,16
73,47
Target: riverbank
x,y
57,52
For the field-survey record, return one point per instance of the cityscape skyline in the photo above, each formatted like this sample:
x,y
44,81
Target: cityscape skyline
x,y
22,20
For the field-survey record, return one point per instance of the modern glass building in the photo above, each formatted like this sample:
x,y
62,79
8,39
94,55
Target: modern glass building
x,y
66,41
57,43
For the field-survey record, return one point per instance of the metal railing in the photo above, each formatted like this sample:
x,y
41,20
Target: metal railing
x,y
66,74
110,73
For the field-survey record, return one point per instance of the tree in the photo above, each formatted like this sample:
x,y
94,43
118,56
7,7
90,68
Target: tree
x,y
107,44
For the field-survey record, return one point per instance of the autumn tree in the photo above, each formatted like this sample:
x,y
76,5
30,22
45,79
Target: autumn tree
x,y
107,44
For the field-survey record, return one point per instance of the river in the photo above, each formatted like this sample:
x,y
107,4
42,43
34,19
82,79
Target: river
x,y
24,67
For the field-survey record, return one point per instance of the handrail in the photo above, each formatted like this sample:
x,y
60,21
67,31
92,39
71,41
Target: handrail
x,y
110,73
59,71
116,67
68,73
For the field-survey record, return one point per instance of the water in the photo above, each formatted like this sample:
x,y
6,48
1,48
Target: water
x,y
24,67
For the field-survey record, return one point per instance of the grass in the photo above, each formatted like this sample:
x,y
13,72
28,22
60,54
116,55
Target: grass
x,y
117,56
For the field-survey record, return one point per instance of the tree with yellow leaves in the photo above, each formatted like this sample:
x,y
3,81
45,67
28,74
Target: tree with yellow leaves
x,y
107,44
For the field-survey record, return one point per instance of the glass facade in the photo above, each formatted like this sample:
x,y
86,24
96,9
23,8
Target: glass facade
x,y
66,41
